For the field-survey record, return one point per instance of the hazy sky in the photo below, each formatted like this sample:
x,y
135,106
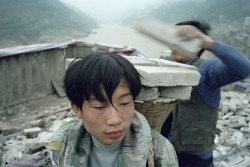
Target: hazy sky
x,y
108,9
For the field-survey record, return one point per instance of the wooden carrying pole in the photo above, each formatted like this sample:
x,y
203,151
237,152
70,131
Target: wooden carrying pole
x,y
52,113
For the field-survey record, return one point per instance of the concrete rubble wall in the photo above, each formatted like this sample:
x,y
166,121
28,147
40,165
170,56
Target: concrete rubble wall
x,y
28,76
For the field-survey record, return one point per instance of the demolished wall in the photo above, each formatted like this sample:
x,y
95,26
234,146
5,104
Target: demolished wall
x,y
28,76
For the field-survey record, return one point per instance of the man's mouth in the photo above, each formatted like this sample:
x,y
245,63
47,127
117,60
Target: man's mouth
x,y
115,134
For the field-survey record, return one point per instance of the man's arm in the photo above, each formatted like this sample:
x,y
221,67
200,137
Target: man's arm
x,y
234,66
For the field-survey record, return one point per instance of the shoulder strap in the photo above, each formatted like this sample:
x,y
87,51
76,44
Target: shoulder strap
x,y
151,161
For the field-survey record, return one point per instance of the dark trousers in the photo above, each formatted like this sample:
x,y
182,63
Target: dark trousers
x,y
189,160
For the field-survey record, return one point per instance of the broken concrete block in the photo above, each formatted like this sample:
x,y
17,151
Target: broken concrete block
x,y
224,136
63,115
245,162
242,112
32,132
223,122
245,129
13,153
222,149
216,140
248,119
2,139
56,125
45,137
177,92
238,125
140,61
8,130
168,35
20,137
34,148
246,143
224,107
216,154
235,160
235,117
148,93
37,123
153,76
242,120
14,144
59,87
245,102
227,115
222,164
233,142
71,113
232,105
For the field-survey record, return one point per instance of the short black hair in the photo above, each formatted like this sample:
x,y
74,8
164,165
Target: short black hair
x,y
202,26
85,75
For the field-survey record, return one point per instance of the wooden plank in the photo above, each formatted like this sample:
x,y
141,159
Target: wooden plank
x,y
52,113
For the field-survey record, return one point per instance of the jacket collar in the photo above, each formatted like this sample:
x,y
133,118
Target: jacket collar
x,y
135,145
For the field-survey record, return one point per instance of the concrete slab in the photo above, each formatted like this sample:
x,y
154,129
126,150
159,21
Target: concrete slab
x,y
177,92
176,78
157,62
168,35
167,76
148,93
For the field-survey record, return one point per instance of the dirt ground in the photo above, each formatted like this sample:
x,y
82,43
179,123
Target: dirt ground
x,y
20,115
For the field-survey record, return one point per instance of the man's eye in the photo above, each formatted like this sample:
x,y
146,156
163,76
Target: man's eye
x,y
98,108
124,104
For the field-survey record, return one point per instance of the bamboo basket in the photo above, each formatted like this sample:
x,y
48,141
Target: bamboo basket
x,y
156,112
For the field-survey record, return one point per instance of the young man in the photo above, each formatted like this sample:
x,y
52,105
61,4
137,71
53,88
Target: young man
x,y
108,132
194,121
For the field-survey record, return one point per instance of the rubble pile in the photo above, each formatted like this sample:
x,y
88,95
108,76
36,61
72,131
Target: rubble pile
x,y
31,139
233,140
28,145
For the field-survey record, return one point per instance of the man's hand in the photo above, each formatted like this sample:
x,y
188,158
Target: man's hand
x,y
187,32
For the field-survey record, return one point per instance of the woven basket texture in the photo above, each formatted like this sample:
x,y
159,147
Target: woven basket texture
x,y
156,112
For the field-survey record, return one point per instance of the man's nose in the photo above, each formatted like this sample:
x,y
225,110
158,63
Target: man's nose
x,y
113,116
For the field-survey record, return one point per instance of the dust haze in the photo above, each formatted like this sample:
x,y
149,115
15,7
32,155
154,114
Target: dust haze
x,y
108,11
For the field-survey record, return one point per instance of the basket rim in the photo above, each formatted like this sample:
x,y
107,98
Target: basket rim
x,y
159,100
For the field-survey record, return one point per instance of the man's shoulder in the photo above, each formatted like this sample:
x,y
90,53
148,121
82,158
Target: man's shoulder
x,y
163,149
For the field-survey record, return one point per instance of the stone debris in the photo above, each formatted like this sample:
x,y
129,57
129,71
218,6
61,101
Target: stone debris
x,y
31,139
232,143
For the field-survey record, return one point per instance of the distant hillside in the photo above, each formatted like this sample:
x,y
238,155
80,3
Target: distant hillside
x,y
209,10
25,22
226,17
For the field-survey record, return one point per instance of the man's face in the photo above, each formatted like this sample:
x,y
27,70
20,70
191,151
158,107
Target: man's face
x,y
106,123
180,58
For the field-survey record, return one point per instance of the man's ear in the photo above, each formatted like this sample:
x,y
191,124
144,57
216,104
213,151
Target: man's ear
x,y
76,110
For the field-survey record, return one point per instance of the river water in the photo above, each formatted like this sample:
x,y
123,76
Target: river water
x,y
121,35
